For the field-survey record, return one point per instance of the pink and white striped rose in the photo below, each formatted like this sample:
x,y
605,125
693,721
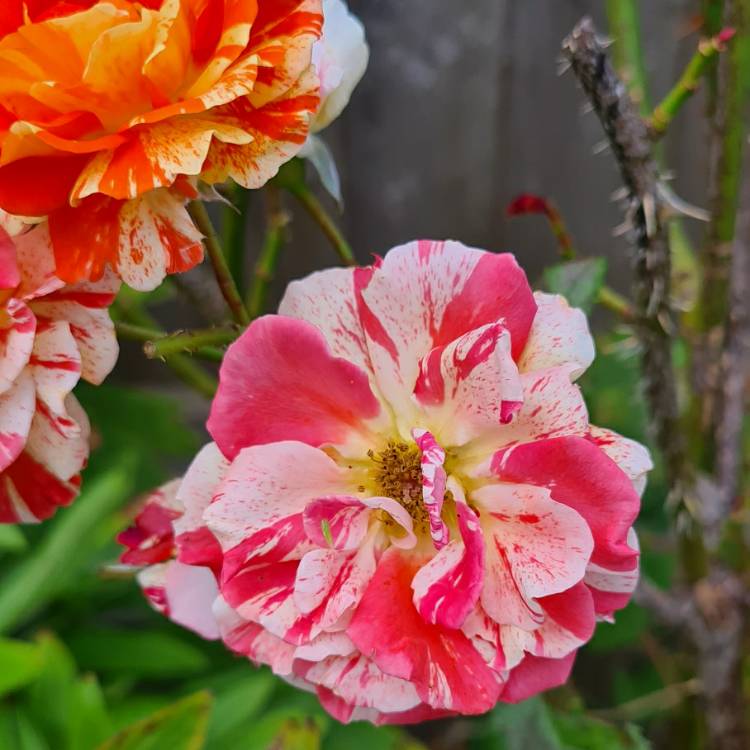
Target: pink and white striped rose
x,y
408,510
51,335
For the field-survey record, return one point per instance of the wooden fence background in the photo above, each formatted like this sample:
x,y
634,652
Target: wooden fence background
x,y
461,109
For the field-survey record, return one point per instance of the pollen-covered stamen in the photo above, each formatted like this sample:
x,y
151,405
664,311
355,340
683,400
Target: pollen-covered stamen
x,y
398,474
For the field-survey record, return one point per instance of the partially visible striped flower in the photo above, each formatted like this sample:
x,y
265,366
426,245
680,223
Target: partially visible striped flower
x,y
51,335
110,112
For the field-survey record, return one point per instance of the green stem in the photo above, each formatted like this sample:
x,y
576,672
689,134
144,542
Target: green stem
x,y
190,342
186,370
700,63
234,225
224,277
731,133
321,217
158,344
268,259
616,303
625,26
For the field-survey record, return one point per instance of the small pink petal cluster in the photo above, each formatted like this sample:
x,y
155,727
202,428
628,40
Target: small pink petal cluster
x,y
51,335
405,509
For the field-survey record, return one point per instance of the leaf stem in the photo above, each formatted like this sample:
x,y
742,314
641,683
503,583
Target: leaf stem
x,y
708,50
215,253
197,342
276,223
158,344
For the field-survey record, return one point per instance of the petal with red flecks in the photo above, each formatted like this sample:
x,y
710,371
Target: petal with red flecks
x,y
267,483
535,547
433,484
446,589
337,522
446,670
60,443
470,387
612,589
85,307
16,341
559,336
632,457
327,300
16,413
279,381
427,294
55,365
582,476
358,681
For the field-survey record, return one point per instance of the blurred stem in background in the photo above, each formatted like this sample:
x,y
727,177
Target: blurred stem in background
x,y
234,228
277,221
624,20
218,260
291,177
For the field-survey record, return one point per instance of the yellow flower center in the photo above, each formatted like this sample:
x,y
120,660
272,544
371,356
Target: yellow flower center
x,y
397,473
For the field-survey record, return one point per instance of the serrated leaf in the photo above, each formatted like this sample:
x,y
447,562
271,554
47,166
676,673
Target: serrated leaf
x,y
139,654
181,726
579,281
20,664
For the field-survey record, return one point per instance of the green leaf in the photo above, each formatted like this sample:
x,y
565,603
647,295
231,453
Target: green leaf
x,y
12,540
48,699
20,663
181,726
368,737
579,281
239,696
88,723
582,732
137,654
520,727
18,732
297,735
65,549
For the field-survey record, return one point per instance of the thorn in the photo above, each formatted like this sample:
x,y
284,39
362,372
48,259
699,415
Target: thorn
x,y
622,229
563,66
678,207
587,108
649,214
600,148
620,194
